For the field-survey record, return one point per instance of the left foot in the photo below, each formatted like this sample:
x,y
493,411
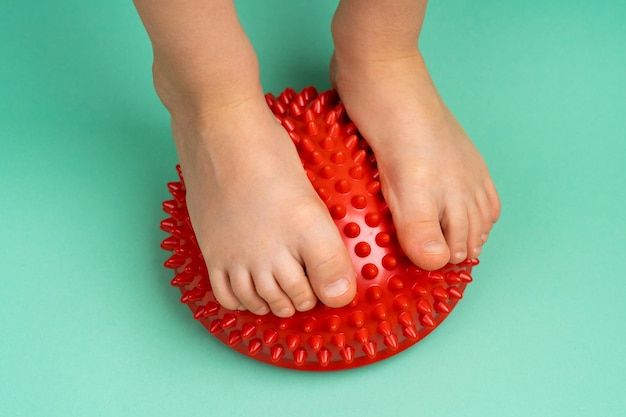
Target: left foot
x,y
441,196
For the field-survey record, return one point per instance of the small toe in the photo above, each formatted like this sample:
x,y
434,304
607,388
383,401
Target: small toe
x,y
293,281
243,288
475,235
269,290
220,284
494,201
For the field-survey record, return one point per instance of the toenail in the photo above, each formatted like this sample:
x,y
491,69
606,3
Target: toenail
x,y
484,237
261,311
307,305
477,250
459,255
434,247
285,311
336,288
241,308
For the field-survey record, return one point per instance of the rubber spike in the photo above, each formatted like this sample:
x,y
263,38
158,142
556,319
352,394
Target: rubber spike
x,y
194,294
307,146
168,225
229,320
323,356
359,156
370,349
455,293
384,328
327,144
410,332
277,352
170,243
338,158
357,172
254,346
427,320
405,319
442,307
423,307
334,130
279,108
312,129
435,277
380,312
295,138
357,319
465,276
439,293
362,335
169,206
270,99
333,323
300,100
299,356
308,324
289,125
182,279
316,342
270,336
339,340
309,116
293,341
347,354
330,118
210,309
317,106
248,330
234,338
351,142
216,326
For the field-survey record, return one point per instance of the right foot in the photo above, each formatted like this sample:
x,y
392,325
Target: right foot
x,y
260,225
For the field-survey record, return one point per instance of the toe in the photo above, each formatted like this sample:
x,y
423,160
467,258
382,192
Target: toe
x,y
220,284
328,266
269,290
293,281
422,239
243,288
475,235
455,224
487,214
494,201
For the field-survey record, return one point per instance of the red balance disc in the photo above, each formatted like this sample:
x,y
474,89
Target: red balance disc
x,y
397,304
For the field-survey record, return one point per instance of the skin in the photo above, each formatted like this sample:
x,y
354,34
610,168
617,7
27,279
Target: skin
x,y
268,240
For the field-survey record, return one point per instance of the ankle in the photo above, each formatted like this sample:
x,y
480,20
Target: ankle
x,y
197,92
367,31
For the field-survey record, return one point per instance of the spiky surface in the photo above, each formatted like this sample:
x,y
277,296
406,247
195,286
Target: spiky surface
x,y
397,303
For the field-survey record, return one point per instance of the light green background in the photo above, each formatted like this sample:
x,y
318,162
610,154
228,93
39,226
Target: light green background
x,y
89,325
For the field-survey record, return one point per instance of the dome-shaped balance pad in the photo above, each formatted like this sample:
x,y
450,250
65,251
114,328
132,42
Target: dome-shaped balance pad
x,y
397,303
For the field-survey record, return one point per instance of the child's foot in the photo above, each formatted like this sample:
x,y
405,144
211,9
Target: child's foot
x,y
260,225
437,185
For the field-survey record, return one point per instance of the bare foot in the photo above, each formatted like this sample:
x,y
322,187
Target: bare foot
x,y
260,225
439,190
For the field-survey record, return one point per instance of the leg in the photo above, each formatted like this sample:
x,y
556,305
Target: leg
x,y
260,225
441,196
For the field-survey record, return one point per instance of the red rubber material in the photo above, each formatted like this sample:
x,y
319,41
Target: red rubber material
x,y
397,303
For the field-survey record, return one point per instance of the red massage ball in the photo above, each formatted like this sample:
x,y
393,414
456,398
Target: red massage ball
x,y
397,304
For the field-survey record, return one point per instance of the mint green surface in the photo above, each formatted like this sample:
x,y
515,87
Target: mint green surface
x,y
89,325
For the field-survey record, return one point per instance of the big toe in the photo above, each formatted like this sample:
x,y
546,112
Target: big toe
x,y
329,267
422,239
